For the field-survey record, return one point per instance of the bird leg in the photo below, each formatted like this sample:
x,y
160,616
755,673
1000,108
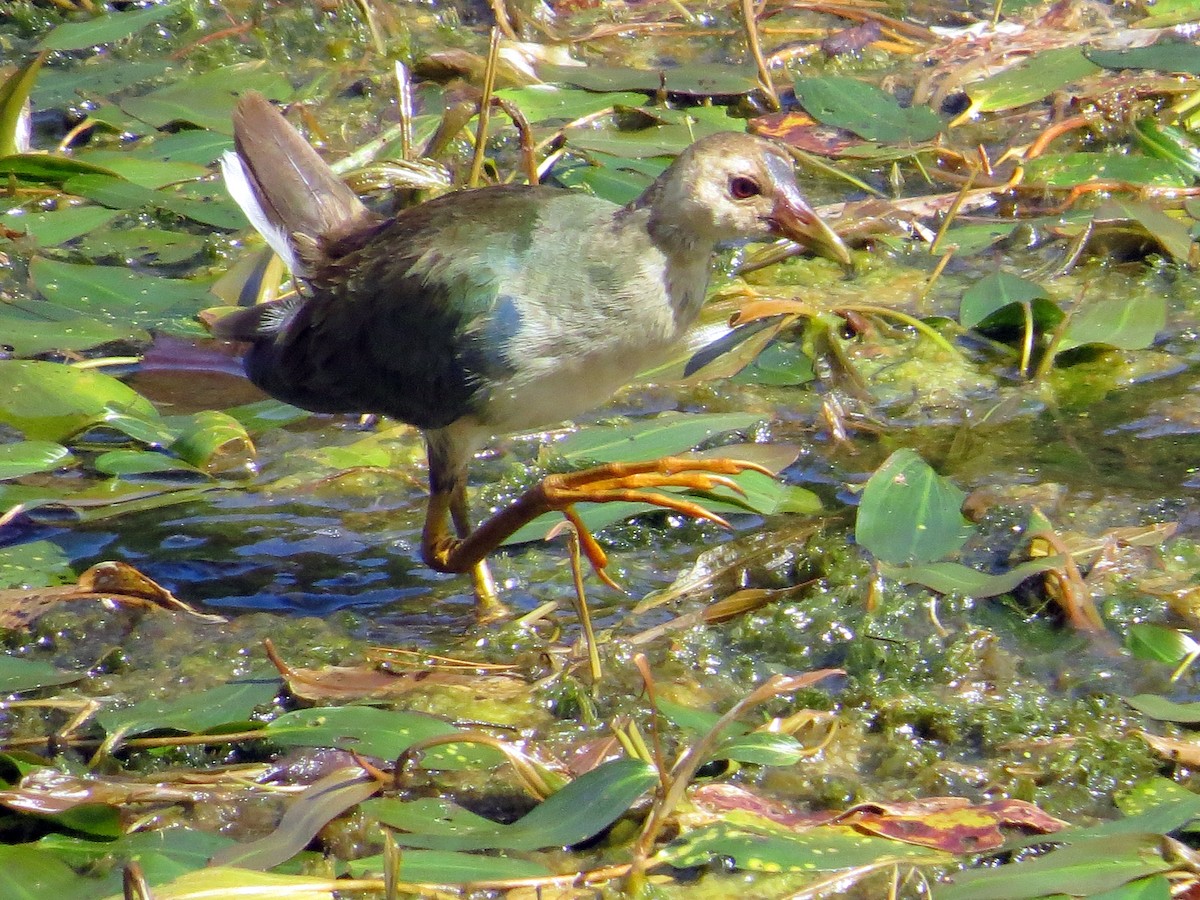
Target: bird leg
x,y
635,482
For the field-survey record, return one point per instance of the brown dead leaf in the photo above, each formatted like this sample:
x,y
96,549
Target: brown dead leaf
x,y
950,823
348,683
942,823
1185,752
109,582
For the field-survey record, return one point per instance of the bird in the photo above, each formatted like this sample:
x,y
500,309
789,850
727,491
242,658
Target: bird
x,y
497,310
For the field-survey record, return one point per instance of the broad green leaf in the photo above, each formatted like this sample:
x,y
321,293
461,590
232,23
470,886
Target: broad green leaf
x,y
148,173
543,102
61,329
1066,170
28,873
909,514
1166,56
35,564
377,732
1116,322
47,167
955,578
993,293
450,867
142,246
134,463
192,713
779,365
241,884
207,100
1156,887
817,850
50,401
574,813
762,749
121,295
50,229
101,77
197,146
17,675
105,29
1159,643
1165,710
26,457
869,112
163,855
213,441
1086,868
1163,818
707,80
663,435
1032,80
1167,142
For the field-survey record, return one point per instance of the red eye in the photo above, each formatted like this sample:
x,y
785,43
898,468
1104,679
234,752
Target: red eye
x,y
742,188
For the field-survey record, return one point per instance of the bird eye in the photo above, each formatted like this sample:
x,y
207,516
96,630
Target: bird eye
x,y
743,188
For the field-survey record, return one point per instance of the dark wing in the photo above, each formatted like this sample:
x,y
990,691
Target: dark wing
x,y
408,317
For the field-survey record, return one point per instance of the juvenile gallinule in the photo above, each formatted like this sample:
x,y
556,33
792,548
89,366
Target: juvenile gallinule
x,y
496,310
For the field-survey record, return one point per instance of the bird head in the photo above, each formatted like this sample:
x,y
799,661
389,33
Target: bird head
x,y
732,187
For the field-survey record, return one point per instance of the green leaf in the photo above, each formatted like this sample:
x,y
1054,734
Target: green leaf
x,y
869,112
35,564
207,100
1166,56
14,95
818,850
663,435
105,29
1083,869
576,812
995,292
59,329
18,675
1116,322
1033,80
50,229
378,732
133,463
910,514
119,294
1165,710
761,749
47,167
544,102
193,713
955,578
1156,887
27,873
26,457
450,867
50,401
706,80
1159,643
213,441
1066,170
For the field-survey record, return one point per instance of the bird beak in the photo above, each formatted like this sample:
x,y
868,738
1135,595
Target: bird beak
x,y
795,219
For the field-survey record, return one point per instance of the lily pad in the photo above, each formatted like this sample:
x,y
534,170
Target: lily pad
x,y
871,113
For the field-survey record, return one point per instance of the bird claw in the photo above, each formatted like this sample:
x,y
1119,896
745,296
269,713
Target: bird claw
x,y
635,482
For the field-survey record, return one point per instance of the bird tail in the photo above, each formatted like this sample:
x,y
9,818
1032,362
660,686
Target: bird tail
x,y
289,194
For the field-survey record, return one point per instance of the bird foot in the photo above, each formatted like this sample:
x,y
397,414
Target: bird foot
x,y
640,482
637,482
